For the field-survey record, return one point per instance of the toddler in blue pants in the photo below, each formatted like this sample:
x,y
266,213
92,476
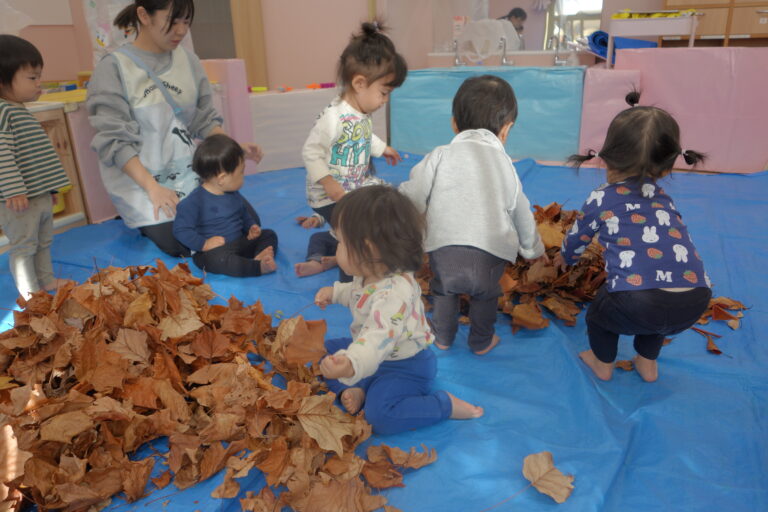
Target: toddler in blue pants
x,y
387,367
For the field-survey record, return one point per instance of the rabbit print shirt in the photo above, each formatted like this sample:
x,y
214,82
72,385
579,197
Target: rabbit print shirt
x,y
388,322
646,243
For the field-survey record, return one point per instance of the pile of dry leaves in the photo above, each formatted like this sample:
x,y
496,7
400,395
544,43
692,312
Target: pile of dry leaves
x,y
96,371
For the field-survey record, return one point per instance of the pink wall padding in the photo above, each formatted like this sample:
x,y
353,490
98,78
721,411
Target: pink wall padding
x,y
604,93
717,96
230,75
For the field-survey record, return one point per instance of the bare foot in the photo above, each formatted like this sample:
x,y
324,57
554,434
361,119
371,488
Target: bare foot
x,y
494,341
602,371
269,251
647,368
352,399
312,267
268,264
463,410
56,284
441,346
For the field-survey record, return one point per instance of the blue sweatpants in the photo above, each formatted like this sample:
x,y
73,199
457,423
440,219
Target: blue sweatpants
x,y
399,396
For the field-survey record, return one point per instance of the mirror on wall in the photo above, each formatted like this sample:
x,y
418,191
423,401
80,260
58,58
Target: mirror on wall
x,y
526,25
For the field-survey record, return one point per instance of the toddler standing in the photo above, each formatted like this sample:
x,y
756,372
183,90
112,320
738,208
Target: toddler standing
x,y
217,222
30,169
478,217
337,153
387,367
656,283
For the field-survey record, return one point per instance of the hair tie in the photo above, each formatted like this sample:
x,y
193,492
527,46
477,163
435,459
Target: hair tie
x,y
687,157
376,25
592,154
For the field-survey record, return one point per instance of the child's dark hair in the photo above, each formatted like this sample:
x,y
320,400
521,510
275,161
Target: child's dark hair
x,y
372,55
180,9
517,12
641,143
16,53
382,217
215,154
484,101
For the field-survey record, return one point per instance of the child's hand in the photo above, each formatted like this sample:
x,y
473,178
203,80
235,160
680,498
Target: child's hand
x,y
17,203
559,262
252,152
213,242
308,222
324,296
391,156
254,232
333,188
334,367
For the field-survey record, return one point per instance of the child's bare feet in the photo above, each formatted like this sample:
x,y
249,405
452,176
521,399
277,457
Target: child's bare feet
x,y
647,368
312,267
56,284
463,410
494,341
266,259
352,399
602,371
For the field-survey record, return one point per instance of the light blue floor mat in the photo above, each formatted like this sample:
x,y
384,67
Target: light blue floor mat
x,y
696,440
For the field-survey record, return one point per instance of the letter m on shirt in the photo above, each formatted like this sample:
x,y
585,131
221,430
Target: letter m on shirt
x,y
665,276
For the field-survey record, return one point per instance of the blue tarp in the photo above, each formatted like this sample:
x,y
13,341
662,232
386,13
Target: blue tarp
x,y
598,43
549,102
696,440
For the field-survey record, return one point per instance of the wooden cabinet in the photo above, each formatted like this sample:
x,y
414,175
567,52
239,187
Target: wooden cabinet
x,y
726,22
54,123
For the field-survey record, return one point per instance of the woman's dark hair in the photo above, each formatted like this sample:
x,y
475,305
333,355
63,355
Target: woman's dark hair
x,y
381,217
372,55
641,143
485,101
517,12
16,53
180,9
215,154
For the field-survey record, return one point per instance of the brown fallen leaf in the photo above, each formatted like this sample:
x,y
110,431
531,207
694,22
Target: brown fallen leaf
x,y
540,470
528,316
625,365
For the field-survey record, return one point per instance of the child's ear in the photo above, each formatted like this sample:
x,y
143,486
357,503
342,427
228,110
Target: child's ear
x,y
359,83
454,126
504,132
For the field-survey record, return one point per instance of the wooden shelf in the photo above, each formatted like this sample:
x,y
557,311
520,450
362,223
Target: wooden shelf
x,y
731,23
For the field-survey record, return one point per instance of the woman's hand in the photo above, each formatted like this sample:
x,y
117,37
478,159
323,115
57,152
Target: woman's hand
x,y
252,151
213,242
17,203
334,367
324,296
391,156
164,199
254,232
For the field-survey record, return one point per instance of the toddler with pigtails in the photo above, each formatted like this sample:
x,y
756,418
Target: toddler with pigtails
x,y
338,150
387,367
656,284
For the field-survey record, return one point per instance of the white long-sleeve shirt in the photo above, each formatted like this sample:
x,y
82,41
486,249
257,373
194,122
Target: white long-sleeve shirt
x,y
388,322
340,144
472,196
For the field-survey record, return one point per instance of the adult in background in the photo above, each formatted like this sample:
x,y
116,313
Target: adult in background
x,y
517,17
145,133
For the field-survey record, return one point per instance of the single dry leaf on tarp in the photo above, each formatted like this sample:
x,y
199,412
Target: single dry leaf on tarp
x,y
229,488
348,496
382,475
306,344
625,365
412,459
563,309
324,422
138,312
186,321
135,478
210,344
540,470
387,508
265,501
711,347
64,427
132,345
528,316
163,480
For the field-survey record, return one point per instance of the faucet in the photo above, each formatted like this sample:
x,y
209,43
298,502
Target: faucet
x,y
555,43
503,47
456,59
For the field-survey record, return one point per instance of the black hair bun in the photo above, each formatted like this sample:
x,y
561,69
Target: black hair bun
x,y
632,98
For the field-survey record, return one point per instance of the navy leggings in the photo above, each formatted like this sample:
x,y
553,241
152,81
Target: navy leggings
x,y
648,314
399,396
